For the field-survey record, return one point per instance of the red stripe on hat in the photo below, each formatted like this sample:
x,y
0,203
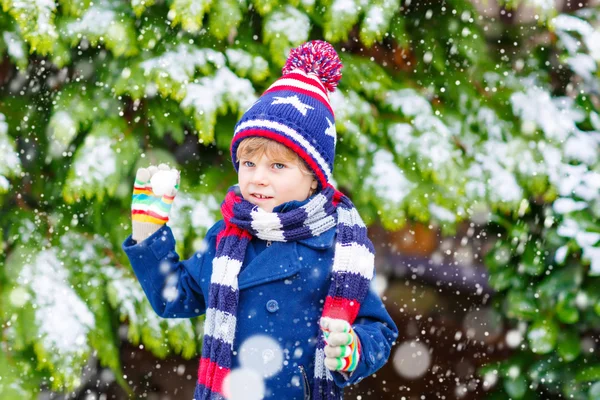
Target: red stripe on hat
x,y
286,142
341,308
212,375
151,214
303,91
306,79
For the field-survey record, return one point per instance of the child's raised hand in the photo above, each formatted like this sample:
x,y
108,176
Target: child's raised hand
x,y
154,190
342,351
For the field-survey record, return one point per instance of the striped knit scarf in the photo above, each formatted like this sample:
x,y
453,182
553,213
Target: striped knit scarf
x,y
351,274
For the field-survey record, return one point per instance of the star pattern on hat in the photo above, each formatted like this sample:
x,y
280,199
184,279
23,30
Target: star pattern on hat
x,y
294,101
330,131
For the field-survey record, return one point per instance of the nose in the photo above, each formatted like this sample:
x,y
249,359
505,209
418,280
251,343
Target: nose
x,y
260,176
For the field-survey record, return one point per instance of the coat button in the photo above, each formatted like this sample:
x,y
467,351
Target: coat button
x,y
272,305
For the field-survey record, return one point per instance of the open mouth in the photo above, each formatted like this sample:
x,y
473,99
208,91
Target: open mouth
x,y
260,196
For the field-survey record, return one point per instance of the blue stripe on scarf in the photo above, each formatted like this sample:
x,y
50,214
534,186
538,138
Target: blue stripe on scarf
x,y
354,234
234,248
218,352
202,392
300,233
222,298
354,286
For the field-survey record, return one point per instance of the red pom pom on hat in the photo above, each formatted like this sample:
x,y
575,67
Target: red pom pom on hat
x,y
317,57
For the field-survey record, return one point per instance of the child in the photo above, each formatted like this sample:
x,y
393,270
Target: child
x,y
290,260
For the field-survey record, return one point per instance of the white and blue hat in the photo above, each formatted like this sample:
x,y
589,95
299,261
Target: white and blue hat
x,y
295,111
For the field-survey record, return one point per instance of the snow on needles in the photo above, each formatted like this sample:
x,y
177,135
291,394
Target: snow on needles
x,y
63,318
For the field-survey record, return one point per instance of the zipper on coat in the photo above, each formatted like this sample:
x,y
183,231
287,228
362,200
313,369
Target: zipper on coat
x,y
269,243
306,383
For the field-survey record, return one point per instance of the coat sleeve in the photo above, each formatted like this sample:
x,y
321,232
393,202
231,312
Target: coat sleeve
x,y
172,286
377,333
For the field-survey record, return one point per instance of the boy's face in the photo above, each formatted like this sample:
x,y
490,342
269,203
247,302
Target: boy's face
x,y
279,181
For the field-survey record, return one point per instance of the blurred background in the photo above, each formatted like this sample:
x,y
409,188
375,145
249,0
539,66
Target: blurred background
x,y
468,138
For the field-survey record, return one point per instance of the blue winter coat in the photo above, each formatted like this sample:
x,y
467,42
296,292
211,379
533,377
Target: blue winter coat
x,y
282,290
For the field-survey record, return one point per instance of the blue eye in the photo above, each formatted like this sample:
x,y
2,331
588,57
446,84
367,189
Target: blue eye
x,y
248,162
282,166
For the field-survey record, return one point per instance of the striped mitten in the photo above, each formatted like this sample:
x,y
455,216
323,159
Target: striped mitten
x,y
342,351
150,210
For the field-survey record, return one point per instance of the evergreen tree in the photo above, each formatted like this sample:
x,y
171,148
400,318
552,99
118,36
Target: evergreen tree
x,y
443,115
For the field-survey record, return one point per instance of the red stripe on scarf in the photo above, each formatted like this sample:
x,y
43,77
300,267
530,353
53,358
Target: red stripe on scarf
x,y
211,375
337,196
231,230
286,142
341,308
231,199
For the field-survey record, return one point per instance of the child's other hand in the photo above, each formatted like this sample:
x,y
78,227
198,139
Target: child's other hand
x,y
342,351
150,210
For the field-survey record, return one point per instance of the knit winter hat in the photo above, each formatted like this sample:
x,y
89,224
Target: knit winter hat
x,y
295,111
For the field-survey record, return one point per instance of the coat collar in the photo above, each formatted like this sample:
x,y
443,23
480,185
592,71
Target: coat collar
x,y
323,241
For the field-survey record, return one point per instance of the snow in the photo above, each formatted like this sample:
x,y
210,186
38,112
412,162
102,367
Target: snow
x,y
203,211
63,318
195,212
582,146
411,359
9,162
501,184
585,240
42,9
375,19
409,102
128,293
568,228
4,184
95,21
343,7
583,65
239,58
434,144
561,254
163,182
347,108
555,116
16,47
402,136
592,254
243,384
546,6
62,128
567,205
490,121
572,179
212,93
387,179
590,36
566,22
181,64
441,214
262,354
96,163
290,23
514,338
